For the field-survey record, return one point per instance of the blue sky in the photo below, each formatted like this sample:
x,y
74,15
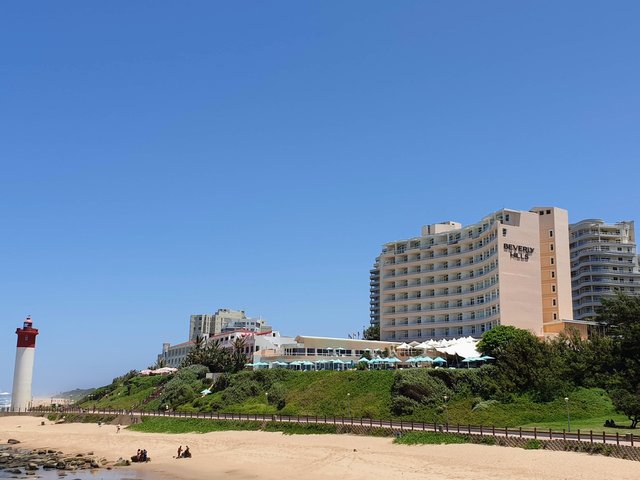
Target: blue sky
x,y
160,159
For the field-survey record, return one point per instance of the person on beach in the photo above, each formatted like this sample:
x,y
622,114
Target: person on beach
x,y
186,453
118,429
179,451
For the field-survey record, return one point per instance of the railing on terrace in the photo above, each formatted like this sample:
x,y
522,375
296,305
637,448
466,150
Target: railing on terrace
x,y
401,425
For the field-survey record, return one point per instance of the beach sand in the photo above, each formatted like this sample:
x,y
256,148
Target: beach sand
x,y
266,455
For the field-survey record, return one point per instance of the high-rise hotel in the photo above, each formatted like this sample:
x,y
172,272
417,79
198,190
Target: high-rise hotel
x,y
510,268
604,260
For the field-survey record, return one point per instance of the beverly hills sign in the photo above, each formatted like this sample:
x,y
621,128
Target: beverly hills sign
x,y
518,252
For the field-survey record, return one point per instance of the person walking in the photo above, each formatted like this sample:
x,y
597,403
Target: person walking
x,y
179,451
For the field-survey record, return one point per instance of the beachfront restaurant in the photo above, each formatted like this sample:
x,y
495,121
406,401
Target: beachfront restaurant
x,y
308,353
320,353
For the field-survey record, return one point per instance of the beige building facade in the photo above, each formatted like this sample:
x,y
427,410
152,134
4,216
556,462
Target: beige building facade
x,y
458,280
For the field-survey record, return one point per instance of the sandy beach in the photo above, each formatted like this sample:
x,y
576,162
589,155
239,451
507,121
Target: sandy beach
x,y
265,455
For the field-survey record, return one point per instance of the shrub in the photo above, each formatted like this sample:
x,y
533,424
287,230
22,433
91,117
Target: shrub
x,y
533,444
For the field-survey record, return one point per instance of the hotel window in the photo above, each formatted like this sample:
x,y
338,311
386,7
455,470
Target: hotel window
x,y
460,331
548,212
550,233
551,247
555,316
552,260
504,232
553,274
554,302
553,288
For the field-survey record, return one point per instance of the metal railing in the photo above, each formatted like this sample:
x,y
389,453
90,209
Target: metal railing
x,y
396,425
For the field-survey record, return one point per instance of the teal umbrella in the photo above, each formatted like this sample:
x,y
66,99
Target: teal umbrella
x,y
439,360
364,359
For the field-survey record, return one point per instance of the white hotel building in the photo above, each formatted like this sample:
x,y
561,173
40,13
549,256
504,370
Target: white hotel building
x,y
510,268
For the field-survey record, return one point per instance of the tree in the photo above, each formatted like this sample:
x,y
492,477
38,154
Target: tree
x,y
526,364
238,356
621,317
372,333
497,338
628,403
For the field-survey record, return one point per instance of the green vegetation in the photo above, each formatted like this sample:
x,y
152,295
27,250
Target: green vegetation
x,y
526,386
190,425
533,444
194,425
431,438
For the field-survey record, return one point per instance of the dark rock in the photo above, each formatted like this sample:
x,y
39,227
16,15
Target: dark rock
x,y
32,466
13,441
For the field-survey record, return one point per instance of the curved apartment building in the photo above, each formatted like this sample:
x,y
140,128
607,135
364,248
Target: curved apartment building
x,y
457,281
604,260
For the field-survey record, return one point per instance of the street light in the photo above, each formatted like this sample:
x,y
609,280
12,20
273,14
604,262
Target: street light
x,y
266,397
349,403
566,400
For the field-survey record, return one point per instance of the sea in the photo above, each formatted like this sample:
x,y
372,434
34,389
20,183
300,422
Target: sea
x,y
101,474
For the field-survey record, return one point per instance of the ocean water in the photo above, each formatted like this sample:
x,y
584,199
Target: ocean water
x,y
99,474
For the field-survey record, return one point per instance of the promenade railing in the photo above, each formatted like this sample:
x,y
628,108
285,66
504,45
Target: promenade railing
x,y
578,435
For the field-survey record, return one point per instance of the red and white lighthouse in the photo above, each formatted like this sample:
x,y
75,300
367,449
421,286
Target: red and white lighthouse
x,y
23,373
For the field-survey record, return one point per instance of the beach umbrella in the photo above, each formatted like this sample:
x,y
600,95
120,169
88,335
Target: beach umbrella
x,y
486,357
394,360
439,360
337,361
248,365
364,359
206,391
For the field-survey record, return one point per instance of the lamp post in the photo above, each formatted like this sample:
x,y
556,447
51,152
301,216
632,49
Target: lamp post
x,y
349,403
566,400
266,398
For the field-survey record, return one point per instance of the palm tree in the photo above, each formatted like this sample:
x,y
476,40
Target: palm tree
x,y
238,356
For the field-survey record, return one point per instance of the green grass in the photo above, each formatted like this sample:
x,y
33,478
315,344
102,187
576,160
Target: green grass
x,y
431,438
194,425
594,423
190,425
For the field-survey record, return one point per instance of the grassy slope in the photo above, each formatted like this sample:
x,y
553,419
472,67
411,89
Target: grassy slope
x,y
119,398
325,393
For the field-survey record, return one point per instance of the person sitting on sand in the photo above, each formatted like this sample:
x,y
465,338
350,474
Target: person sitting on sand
x,y
186,453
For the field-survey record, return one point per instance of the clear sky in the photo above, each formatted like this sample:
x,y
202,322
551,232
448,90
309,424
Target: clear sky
x,y
160,159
